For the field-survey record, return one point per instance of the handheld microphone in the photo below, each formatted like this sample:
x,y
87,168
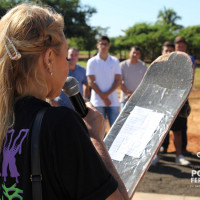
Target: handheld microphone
x,y
71,89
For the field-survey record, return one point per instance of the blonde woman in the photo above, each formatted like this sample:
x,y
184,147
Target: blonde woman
x,y
33,68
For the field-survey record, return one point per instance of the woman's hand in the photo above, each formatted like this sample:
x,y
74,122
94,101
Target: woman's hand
x,y
95,123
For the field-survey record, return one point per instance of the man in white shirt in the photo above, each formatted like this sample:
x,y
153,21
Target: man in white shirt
x,y
133,70
104,76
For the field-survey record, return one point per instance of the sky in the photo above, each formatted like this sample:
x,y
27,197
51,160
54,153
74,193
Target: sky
x,y
120,15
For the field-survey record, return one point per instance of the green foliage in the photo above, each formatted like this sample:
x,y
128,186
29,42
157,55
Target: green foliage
x,y
197,76
149,37
82,63
82,43
75,16
7,4
169,17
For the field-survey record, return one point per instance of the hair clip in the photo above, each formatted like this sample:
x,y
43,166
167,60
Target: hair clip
x,y
16,55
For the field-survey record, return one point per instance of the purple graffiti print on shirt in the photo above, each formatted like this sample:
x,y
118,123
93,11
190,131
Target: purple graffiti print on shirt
x,y
9,152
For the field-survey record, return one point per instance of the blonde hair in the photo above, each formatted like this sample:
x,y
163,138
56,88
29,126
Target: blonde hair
x,y
32,30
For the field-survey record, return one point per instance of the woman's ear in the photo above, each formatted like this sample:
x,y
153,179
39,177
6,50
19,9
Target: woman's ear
x,y
48,60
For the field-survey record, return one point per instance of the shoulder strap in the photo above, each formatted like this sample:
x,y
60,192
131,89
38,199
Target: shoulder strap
x,y
36,176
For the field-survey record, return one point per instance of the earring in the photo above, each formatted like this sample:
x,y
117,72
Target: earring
x,y
49,69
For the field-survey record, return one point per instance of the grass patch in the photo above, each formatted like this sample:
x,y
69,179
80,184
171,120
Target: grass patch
x,y
82,63
196,76
86,52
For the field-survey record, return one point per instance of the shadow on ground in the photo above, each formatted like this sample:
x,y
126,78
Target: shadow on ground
x,y
167,177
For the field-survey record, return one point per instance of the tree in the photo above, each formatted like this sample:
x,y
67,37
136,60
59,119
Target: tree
x,y
169,17
7,4
75,14
149,37
118,46
76,17
82,43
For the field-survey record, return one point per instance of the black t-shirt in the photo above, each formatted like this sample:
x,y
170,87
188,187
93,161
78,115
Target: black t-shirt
x,y
71,167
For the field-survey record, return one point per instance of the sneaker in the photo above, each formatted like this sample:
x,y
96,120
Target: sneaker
x,y
182,160
155,160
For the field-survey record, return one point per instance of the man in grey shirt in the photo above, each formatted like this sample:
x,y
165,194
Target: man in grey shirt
x,y
133,70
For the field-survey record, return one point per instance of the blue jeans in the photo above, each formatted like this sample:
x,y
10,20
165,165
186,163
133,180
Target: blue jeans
x,y
110,112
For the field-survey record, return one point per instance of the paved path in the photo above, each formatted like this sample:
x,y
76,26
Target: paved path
x,y
152,196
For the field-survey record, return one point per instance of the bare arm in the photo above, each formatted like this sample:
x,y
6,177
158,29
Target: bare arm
x,y
96,127
86,91
101,149
104,95
94,86
125,90
116,84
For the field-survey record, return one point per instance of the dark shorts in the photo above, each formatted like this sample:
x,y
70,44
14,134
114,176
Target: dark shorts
x,y
179,124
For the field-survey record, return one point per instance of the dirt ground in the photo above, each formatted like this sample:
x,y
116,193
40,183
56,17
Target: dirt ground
x,y
170,178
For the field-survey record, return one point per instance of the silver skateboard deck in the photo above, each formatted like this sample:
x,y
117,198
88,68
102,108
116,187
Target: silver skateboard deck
x,y
142,125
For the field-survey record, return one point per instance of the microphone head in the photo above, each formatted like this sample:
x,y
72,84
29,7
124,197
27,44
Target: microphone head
x,y
71,86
